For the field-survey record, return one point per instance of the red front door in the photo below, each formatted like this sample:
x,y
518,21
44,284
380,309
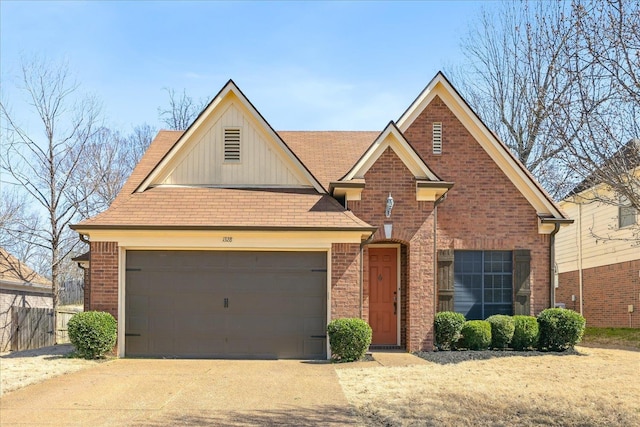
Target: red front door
x,y
383,295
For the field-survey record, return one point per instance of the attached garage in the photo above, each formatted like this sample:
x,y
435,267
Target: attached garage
x,y
233,304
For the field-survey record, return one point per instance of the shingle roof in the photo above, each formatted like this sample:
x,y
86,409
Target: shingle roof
x,y
206,207
200,207
14,271
328,154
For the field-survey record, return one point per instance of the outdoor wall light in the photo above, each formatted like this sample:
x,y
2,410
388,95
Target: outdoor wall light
x,y
387,212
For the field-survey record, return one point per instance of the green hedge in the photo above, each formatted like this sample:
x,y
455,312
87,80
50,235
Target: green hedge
x,y
525,333
448,326
92,333
560,329
349,339
502,328
476,335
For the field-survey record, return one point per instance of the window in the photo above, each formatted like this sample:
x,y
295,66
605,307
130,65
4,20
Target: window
x,y
626,215
483,283
232,145
437,138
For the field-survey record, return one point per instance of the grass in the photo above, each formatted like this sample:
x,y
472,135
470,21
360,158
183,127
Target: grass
x,y
587,387
616,337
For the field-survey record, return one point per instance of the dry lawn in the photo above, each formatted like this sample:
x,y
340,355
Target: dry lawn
x,y
22,368
591,387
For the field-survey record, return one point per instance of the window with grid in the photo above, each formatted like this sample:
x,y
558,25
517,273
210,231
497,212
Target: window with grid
x,y
626,215
483,283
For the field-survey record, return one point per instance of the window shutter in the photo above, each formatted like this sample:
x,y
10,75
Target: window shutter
x,y
522,282
445,280
437,138
232,145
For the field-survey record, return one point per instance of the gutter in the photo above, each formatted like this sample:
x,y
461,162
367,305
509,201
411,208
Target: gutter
x,y
83,228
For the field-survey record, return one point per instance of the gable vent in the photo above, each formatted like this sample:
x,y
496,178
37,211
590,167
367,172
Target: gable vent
x,y
437,138
232,145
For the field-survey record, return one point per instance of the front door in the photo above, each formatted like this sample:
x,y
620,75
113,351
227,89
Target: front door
x,y
383,295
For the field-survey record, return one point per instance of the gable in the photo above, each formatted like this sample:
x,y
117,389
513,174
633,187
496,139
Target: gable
x,y
428,185
393,139
440,88
230,145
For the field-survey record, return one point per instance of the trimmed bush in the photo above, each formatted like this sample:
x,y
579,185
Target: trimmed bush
x,y
525,333
349,339
502,328
560,329
448,325
92,333
476,334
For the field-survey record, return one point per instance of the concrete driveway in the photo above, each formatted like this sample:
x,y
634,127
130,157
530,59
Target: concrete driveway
x,y
185,392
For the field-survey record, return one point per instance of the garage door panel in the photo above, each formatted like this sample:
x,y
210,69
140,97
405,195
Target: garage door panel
x,y
276,302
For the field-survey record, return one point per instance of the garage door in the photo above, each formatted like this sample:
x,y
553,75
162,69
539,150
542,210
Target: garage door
x,y
226,304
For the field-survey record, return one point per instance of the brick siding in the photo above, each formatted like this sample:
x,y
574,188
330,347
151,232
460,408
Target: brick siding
x,y
607,293
483,211
345,280
103,281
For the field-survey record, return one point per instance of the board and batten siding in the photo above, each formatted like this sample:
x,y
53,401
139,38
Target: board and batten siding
x,y
262,162
590,220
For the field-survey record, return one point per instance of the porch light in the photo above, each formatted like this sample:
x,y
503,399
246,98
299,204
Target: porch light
x,y
389,206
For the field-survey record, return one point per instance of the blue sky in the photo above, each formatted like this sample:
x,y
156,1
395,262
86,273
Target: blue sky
x,y
304,65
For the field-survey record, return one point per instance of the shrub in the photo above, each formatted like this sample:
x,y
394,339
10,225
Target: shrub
x,y
502,328
92,333
349,339
560,329
525,333
476,334
447,327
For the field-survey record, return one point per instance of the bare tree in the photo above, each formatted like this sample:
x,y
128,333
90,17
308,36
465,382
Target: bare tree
x,y
604,102
109,159
515,79
44,163
137,143
181,112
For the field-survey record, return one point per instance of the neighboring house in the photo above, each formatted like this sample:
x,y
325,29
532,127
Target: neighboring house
x,y
233,240
599,258
20,286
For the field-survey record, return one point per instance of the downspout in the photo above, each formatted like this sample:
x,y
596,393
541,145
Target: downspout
x,y
580,280
552,263
435,250
362,245
83,237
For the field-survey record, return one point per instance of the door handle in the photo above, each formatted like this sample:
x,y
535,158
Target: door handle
x,y
226,303
395,303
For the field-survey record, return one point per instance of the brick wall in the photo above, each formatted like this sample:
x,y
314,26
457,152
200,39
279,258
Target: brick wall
x,y
607,292
345,280
104,277
412,222
484,210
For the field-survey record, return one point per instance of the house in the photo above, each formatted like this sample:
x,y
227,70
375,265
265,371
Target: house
x,y
598,256
233,240
20,286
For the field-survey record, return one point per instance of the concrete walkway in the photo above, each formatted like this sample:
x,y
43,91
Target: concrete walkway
x,y
397,358
184,392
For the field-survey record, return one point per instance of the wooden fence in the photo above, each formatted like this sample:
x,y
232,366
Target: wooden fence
x,y
33,327
71,292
